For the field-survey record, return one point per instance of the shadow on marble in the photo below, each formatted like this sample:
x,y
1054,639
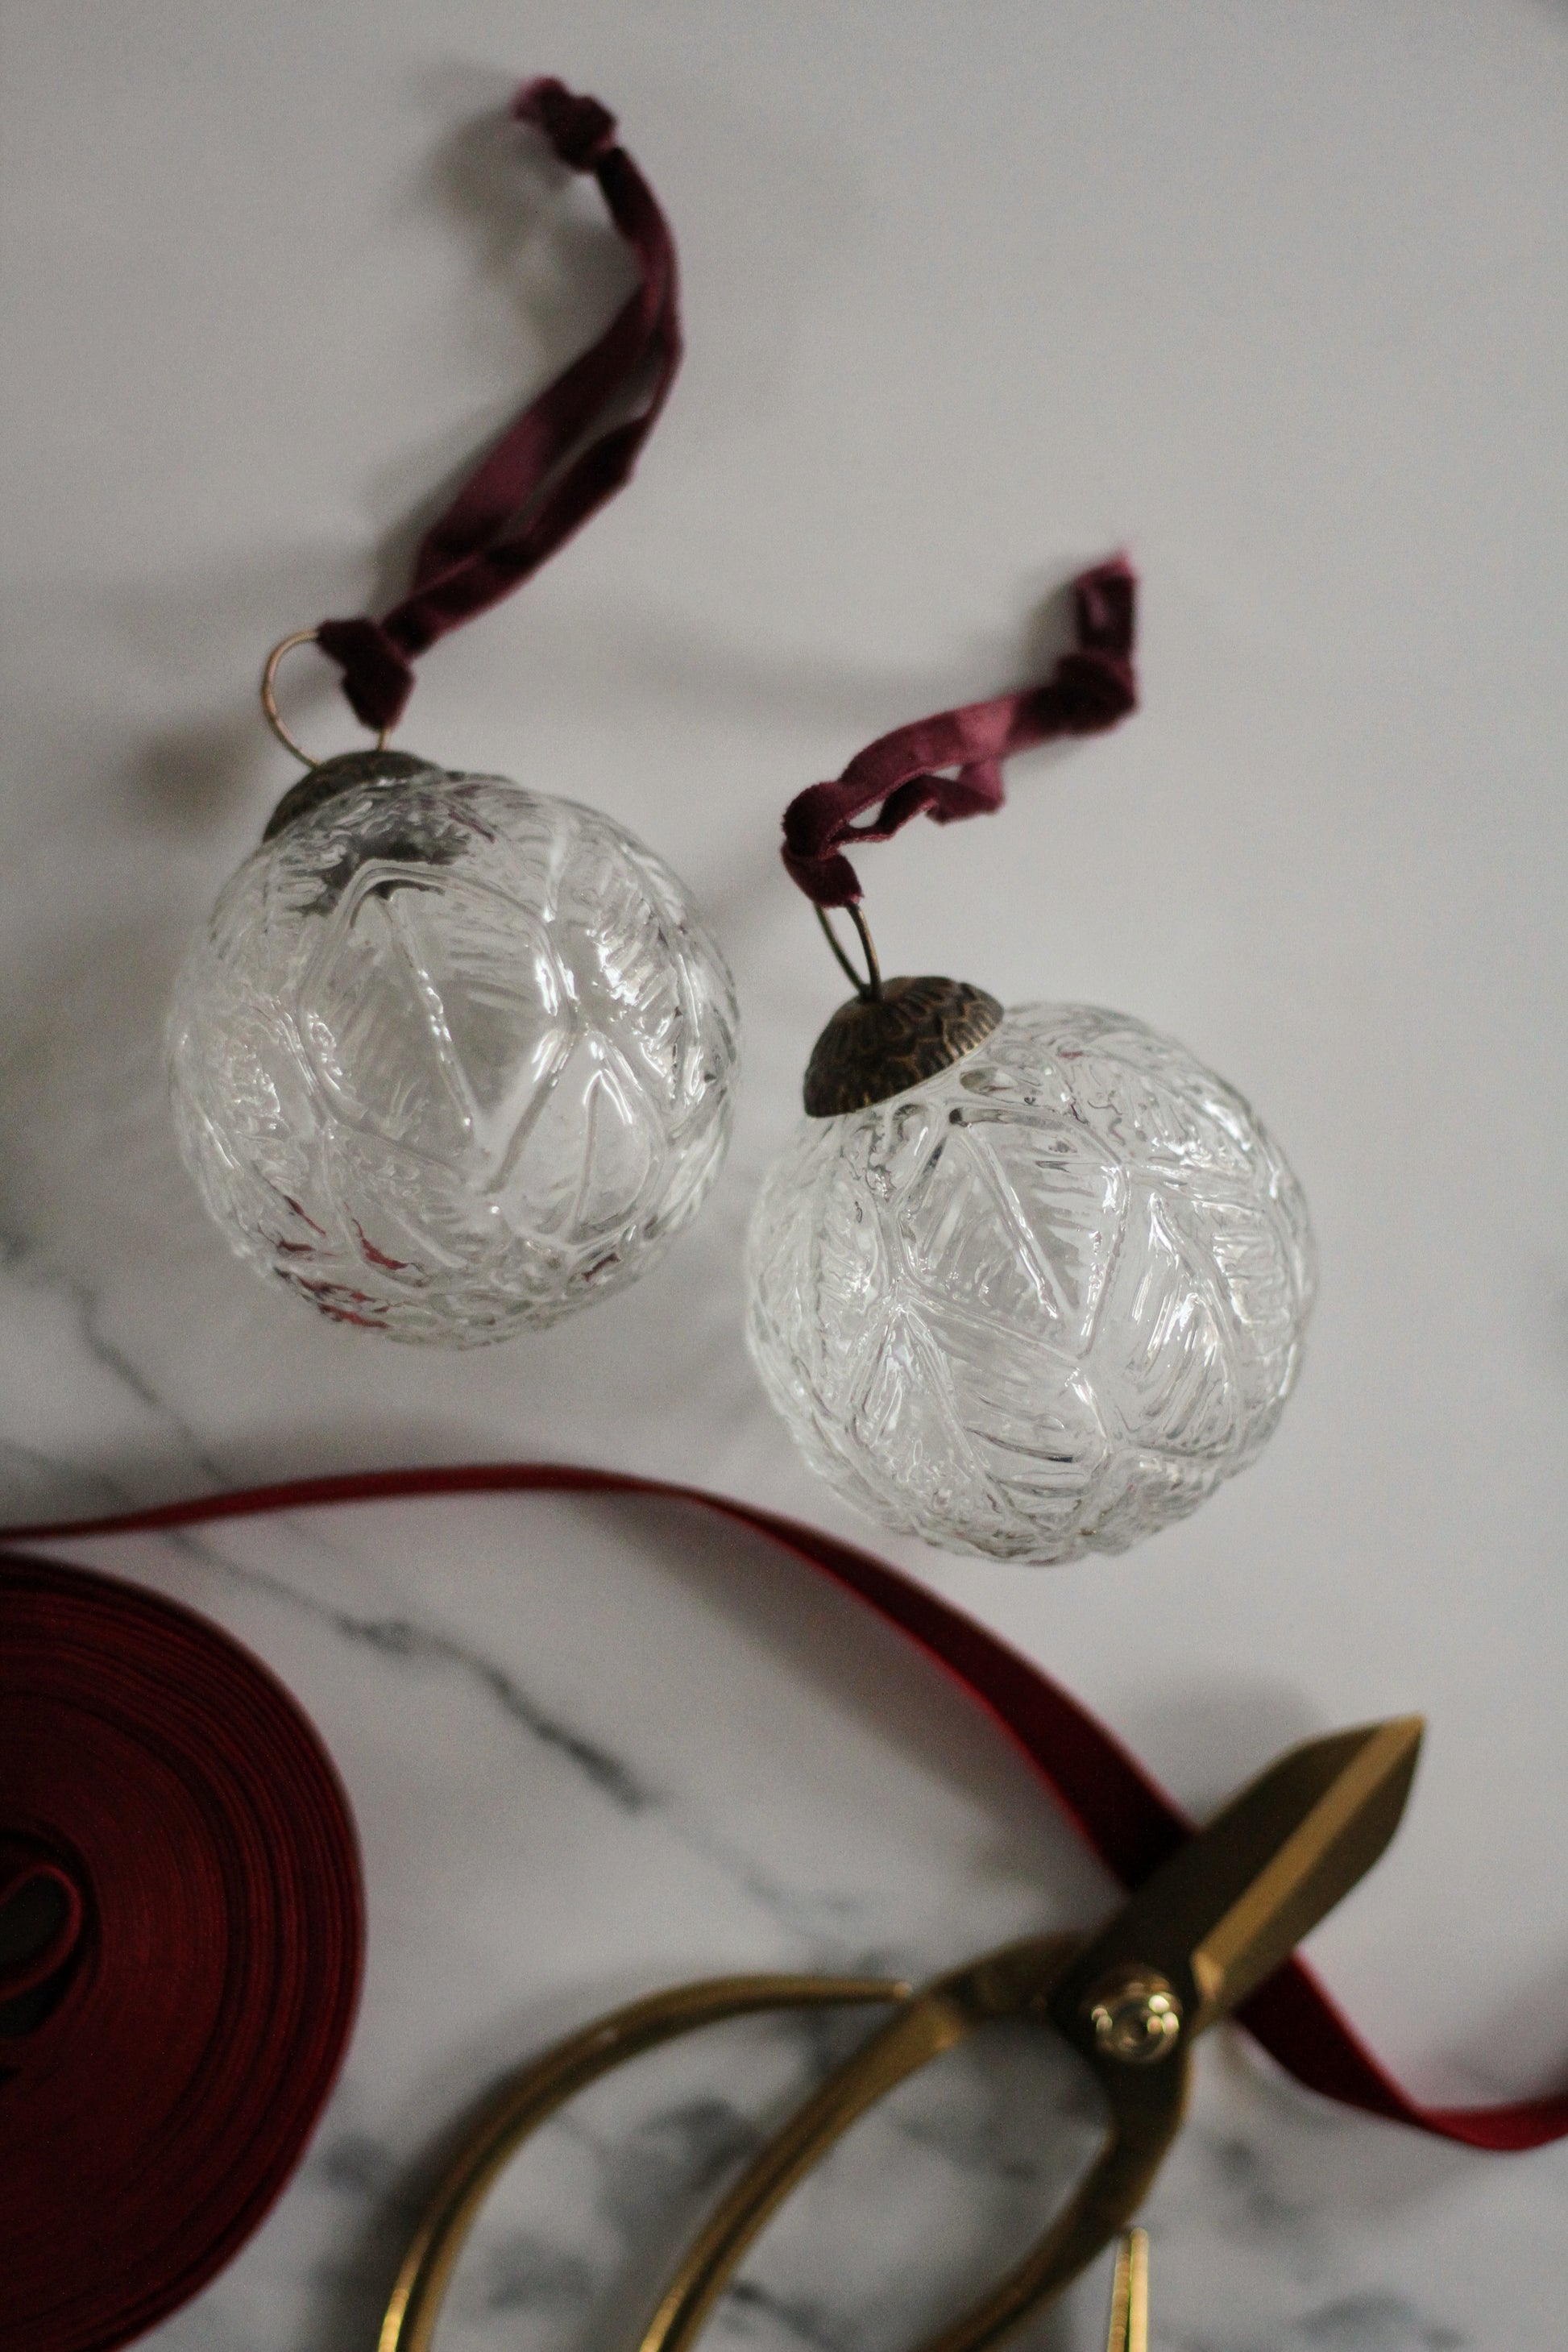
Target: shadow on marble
x,y
1283,2151
1210,1732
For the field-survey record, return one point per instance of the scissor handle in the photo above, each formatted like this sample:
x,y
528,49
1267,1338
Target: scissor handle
x,y
531,2097
1146,2114
1146,2110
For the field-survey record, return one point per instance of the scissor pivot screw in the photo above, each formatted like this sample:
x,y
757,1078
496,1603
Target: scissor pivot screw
x,y
1136,2017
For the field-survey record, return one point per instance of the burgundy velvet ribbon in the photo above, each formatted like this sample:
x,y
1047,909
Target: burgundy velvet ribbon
x,y
559,461
167,2040
1122,1814
900,776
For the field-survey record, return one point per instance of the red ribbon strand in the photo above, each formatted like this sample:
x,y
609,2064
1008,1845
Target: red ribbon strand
x,y
1122,1814
559,461
168,2032
901,775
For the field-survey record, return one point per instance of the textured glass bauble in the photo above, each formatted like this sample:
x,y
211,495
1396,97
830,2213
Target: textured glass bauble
x,y
1041,1304
452,1058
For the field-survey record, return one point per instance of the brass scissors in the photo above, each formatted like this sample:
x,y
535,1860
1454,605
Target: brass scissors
x,y
1209,1927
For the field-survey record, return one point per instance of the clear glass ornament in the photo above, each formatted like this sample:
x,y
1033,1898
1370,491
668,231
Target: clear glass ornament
x,y
1039,1304
451,1058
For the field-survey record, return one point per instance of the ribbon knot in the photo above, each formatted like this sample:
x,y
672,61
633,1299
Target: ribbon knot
x,y
377,679
1097,689
579,129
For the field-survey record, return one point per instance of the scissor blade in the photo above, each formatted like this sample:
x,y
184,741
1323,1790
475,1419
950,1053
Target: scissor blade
x,y
1221,1915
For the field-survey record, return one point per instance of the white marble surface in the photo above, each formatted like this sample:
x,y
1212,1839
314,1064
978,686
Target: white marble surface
x,y
1277,297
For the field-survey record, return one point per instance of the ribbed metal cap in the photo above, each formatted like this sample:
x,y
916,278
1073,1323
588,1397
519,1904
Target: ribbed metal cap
x,y
878,1047
340,775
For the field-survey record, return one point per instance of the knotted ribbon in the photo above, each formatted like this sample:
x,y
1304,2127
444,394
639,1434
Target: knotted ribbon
x,y
561,461
901,775
1119,1810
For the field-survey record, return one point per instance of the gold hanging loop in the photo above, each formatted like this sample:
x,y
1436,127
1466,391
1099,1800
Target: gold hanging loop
x,y
868,990
270,710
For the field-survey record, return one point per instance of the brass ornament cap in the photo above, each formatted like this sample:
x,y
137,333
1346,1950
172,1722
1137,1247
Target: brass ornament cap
x,y
330,777
878,1047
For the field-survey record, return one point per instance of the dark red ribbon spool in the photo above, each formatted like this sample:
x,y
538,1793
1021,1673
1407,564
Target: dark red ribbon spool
x,y
174,1827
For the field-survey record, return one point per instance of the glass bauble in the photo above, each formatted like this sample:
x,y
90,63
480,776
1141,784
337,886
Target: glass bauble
x,y
1039,1304
451,1058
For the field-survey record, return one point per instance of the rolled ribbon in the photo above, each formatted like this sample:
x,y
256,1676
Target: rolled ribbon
x,y
1121,1811
181,1930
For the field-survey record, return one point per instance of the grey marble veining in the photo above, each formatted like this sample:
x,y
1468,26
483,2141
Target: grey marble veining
x,y
1274,297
